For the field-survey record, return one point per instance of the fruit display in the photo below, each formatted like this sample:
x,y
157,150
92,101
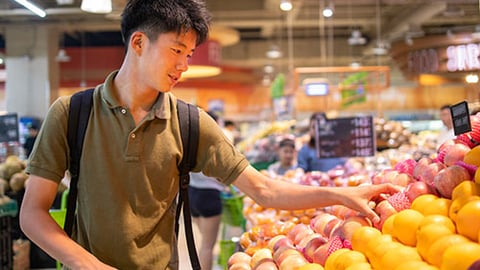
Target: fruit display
x,y
12,175
432,223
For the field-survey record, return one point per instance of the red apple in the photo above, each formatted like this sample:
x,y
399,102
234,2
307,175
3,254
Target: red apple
x,y
402,179
454,153
240,266
331,226
303,242
417,188
298,228
475,265
274,240
281,255
266,264
426,173
321,221
447,179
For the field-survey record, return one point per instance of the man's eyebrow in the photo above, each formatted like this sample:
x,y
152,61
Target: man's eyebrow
x,y
179,43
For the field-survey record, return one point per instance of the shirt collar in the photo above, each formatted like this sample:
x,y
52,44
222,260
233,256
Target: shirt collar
x,y
161,107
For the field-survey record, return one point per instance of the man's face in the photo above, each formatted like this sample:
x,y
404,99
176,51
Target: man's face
x,y
163,61
446,117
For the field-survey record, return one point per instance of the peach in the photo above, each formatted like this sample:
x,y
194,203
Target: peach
x,y
447,179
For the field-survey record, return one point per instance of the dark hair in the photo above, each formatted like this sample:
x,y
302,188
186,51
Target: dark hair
x,y
287,142
229,123
154,17
444,107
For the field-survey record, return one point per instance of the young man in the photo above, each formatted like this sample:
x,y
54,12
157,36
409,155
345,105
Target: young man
x,y
128,170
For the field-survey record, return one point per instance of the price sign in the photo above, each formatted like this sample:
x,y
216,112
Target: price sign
x,y
460,118
9,128
345,137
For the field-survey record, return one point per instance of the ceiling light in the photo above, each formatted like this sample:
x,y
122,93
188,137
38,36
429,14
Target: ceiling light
x,y
62,56
64,2
33,8
97,6
274,52
356,38
328,11
286,5
471,78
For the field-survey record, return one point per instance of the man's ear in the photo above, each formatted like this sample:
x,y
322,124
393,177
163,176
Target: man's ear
x,y
137,41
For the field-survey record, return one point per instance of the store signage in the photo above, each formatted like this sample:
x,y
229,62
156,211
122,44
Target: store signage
x,y
460,118
345,137
9,128
423,61
463,57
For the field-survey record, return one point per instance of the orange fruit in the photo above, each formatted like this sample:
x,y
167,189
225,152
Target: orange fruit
x,y
422,201
346,259
395,257
428,234
439,206
387,227
458,204
360,266
468,220
460,256
435,251
362,235
438,219
332,258
415,265
379,247
405,226
465,189
473,156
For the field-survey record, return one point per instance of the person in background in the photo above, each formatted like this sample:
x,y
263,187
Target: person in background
x,y
206,210
230,130
446,133
286,153
30,140
307,157
128,176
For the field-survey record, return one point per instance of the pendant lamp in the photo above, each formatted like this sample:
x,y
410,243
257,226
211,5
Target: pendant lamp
x,y
97,6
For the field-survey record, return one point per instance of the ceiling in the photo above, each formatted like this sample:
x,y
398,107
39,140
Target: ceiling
x,y
304,37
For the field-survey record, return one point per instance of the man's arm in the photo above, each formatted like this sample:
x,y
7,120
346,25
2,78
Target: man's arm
x,y
41,228
283,195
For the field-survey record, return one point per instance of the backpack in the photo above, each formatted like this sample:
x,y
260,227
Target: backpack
x,y
79,113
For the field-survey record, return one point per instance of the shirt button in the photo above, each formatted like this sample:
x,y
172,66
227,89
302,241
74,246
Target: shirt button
x,y
133,136
124,111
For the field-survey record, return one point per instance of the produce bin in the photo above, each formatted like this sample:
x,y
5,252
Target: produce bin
x,y
7,212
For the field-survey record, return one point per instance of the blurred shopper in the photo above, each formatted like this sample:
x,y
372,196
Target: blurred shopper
x,y
287,158
30,140
446,133
307,157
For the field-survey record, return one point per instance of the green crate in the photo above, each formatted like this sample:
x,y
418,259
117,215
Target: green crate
x,y
9,209
227,248
232,212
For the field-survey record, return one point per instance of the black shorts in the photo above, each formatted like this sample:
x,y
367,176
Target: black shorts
x,y
204,202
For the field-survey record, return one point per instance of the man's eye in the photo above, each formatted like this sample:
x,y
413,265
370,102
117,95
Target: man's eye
x,y
177,51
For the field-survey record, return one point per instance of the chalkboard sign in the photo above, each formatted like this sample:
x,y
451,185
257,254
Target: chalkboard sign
x,y
460,118
9,128
345,137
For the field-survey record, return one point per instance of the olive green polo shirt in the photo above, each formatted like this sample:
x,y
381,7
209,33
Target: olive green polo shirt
x,y
129,175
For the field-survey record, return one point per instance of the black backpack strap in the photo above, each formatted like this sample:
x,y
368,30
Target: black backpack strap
x,y
189,129
78,115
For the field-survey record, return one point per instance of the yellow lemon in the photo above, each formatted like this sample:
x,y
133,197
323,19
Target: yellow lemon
x,y
311,266
387,227
473,156
457,204
347,259
360,266
405,226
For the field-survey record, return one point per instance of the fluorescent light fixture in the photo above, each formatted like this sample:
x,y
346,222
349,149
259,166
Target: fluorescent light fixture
x,y
286,5
33,8
471,78
97,6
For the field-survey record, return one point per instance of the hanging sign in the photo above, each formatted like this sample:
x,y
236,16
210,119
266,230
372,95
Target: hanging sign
x,y
460,118
345,137
9,128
